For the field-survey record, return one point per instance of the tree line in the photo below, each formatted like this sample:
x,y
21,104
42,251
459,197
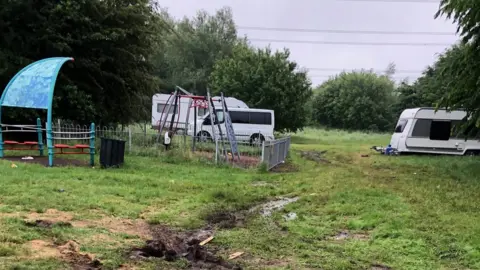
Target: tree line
x,y
363,100
126,51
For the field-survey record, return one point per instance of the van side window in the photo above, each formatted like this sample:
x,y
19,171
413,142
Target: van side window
x,y
422,128
440,130
401,126
220,117
239,117
260,118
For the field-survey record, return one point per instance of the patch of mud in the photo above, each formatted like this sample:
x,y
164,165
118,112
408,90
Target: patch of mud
x,y
380,267
317,156
344,235
226,219
268,208
286,167
46,223
173,245
69,252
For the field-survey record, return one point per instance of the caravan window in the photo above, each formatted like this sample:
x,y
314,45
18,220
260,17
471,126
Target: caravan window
x,y
161,106
440,130
401,125
422,128
457,132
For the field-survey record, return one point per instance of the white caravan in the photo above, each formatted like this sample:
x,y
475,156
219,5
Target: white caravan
x,y
160,101
253,125
422,130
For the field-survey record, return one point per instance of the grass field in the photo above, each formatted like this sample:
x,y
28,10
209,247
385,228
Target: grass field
x,y
354,211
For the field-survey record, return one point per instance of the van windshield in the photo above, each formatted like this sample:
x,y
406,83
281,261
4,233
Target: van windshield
x,y
401,125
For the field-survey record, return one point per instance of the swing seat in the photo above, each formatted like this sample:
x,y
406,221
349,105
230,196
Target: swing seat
x,y
10,142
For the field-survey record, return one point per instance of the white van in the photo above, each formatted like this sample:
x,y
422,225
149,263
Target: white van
x,y
160,102
422,130
253,125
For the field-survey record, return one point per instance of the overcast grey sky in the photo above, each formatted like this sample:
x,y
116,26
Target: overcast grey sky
x,y
337,15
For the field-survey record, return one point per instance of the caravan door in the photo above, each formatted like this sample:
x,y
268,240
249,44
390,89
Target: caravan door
x,y
399,135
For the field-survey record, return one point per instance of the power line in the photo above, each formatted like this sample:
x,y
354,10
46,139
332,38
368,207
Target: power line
x,y
368,32
392,77
365,69
394,1
349,42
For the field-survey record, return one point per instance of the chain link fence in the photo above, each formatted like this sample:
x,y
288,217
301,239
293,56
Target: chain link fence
x,y
275,152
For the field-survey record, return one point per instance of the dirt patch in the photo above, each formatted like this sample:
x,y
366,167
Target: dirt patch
x,y
286,167
380,267
344,235
246,161
317,156
69,252
136,227
58,162
53,217
173,245
42,249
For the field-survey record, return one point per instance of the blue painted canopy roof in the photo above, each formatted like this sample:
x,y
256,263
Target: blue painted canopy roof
x,y
33,86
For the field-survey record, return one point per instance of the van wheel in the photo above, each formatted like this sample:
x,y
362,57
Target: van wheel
x,y
203,136
472,153
257,139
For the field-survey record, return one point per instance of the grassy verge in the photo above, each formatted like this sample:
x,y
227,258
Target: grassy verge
x,y
354,212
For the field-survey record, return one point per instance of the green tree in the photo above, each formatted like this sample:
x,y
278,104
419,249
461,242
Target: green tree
x,y
111,41
265,79
461,65
188,53
355,101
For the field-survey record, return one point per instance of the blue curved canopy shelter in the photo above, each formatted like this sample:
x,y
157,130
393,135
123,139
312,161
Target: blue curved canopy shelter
x,y
33,88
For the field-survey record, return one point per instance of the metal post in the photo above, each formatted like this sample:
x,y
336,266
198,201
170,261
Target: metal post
x,y
212,124
1,136
92,144
194,135
175,106
50,144
162,123
129,139
224,150
187,123
40,139
263,151
225,112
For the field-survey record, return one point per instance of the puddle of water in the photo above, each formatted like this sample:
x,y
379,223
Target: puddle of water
x,y
268,208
